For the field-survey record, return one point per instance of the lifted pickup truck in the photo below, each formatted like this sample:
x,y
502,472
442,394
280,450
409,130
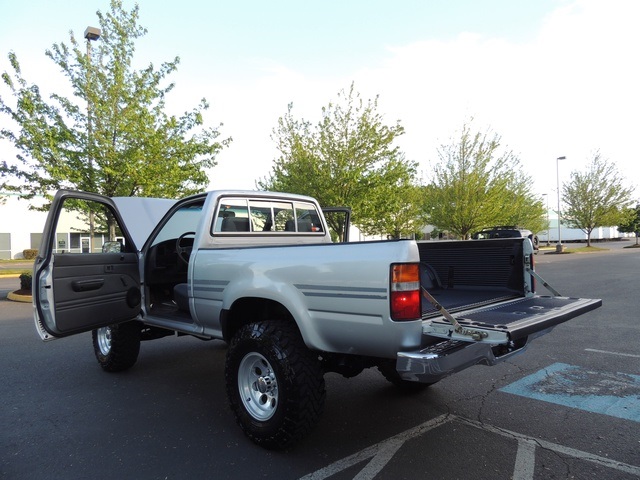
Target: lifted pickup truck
x,y
259,271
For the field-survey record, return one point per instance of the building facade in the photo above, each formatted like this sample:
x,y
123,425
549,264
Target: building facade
x,y
20,227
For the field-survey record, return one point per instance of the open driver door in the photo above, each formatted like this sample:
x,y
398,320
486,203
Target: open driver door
x,y
86,274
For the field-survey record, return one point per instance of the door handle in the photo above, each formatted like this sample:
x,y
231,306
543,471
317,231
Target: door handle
x,y
86,285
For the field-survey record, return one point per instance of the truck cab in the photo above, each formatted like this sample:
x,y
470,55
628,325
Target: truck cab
x,y
104,260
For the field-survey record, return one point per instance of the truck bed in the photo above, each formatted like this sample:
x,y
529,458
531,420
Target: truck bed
x,y
468,274
483,283
455,300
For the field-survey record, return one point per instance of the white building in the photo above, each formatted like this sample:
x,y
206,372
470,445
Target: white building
x,y
20,227
575,234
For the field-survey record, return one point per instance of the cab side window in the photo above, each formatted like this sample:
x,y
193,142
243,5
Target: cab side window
x,y
307,218
233,216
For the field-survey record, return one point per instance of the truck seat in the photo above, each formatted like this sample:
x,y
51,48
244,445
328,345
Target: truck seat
x,y
181,296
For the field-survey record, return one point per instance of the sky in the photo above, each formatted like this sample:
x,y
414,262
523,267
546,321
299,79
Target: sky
x,y
553,78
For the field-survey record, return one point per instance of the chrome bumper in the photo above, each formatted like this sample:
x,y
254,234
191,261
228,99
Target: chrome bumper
x,y
443,359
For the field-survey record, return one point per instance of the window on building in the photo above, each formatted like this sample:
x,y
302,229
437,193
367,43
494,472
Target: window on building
x,y
36,240
5,246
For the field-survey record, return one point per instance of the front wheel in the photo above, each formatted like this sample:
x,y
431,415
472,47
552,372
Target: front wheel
x,y
274,383
116,347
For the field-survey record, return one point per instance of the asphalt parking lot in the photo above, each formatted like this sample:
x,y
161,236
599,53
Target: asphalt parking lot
x,y
567,408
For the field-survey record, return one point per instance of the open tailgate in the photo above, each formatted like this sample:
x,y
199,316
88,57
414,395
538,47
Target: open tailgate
x,y
509,320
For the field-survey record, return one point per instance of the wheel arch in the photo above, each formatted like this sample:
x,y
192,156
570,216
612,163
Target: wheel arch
x,y
247,310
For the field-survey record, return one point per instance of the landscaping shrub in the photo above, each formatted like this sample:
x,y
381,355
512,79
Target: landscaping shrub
x,y
25,281
30,253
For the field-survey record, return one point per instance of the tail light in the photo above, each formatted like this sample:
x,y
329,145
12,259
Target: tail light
x,y
405,292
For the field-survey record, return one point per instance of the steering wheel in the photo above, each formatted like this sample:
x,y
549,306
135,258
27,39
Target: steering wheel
x,y
184,252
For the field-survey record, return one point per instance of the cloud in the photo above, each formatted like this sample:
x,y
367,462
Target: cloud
x,y
569,90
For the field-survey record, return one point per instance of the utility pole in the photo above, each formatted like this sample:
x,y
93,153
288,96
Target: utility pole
x,y
91,34
559,246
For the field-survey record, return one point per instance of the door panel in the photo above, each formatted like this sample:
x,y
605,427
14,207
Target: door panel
x,y
77,285
91,289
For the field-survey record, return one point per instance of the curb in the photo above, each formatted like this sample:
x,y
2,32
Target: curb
x,y
19,298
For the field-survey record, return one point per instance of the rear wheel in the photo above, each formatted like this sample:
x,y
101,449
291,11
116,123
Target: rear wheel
x,y
536,242
116,347
275,384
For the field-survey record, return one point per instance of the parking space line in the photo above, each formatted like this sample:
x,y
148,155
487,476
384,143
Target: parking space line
x,y
374,450
525,460
382,452
377,463
612,353
568,451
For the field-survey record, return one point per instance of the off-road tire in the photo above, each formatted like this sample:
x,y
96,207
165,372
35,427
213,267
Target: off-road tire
x,y
116,347
388,370
275,384
536,242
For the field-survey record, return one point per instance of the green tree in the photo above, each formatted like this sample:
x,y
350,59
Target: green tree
x,y
347,159
113,136
403,213
631,222
595,197
475,185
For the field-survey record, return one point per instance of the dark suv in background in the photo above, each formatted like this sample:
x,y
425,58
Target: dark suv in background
x,y
507,232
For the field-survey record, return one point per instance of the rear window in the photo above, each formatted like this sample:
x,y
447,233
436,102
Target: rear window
x,y
260,216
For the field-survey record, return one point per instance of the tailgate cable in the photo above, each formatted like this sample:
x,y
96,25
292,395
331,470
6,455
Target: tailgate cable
x,y
543,281
476,335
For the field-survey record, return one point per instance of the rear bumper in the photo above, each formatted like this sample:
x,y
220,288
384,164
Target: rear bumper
x,y
446,358
509,326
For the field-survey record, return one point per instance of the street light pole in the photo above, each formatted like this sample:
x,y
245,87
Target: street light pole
x,y
546,197
559,246
91,34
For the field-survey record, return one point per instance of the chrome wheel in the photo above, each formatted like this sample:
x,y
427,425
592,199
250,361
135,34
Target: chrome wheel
x,y
103,337
117,346
275,384
258,386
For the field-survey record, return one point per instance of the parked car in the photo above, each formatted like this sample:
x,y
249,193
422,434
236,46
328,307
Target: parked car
x,y
507,232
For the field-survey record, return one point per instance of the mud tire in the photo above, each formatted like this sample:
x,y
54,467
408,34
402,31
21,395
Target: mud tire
x,y
116,347
275,384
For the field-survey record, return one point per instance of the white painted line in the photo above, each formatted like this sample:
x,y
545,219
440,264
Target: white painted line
x,y
571,452
373,450
525,460
377,463
382,452
612,353
580,455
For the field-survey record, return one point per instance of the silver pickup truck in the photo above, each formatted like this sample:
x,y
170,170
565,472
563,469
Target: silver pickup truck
x,y
260,271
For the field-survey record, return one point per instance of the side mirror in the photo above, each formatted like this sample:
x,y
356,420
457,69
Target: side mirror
x,y
112,247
